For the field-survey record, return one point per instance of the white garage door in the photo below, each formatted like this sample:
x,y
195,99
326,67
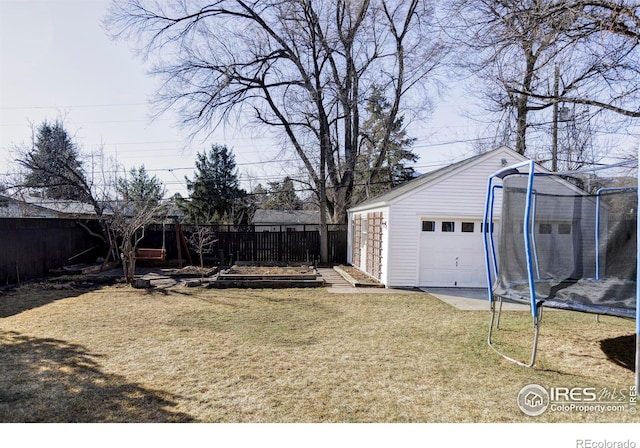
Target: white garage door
x,y
452,253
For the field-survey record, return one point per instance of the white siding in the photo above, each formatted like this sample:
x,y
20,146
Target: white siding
x,y
459,194
403,239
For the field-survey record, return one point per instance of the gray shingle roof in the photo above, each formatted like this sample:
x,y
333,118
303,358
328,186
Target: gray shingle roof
x,y
285,217
34,206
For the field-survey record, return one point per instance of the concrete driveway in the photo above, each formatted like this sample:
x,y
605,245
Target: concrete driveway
x,y
471,299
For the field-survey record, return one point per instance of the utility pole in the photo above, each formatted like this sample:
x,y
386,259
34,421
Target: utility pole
x,y
554,128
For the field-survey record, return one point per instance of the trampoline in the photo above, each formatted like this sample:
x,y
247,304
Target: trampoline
x,y
566,241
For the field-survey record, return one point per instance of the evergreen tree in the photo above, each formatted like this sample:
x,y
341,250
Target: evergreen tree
x,y
394,170
141,188
53,165
258,196
282,196
215,195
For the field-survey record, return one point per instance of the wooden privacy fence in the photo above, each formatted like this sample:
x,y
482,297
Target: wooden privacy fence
x,y
30,247
246,244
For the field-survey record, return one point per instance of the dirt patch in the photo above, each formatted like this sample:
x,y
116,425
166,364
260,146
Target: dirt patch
x,y
357,274
191,271
270,270
357,278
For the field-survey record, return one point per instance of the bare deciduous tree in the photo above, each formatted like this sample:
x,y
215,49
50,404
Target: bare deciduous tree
x,y
532,55
605,45
202,240
90,178
302,68
128,222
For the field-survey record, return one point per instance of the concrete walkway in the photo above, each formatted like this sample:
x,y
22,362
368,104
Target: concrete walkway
x,y
335,283
333,279
467,299
471,299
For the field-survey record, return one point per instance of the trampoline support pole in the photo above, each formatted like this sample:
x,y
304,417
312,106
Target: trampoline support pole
x,y
490,259
495,318
637,382
637,359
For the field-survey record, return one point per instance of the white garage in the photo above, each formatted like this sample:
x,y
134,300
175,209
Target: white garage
x,y
451,253
428,232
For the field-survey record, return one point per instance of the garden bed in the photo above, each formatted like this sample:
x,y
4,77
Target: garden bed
x,y
357,278
271,270
268,277
194,271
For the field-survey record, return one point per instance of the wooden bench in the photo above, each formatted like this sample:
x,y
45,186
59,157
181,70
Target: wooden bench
x,y
151,254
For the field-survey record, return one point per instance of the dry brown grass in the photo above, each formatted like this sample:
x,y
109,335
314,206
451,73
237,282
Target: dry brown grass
x,y
119,354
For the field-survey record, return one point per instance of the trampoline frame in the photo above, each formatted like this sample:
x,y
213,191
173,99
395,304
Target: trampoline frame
x,y
491,262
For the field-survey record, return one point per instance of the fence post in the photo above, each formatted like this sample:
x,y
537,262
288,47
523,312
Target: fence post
x,y
178,245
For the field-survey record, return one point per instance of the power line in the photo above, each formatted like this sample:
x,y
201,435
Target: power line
x,y
79,106
192,168
228,196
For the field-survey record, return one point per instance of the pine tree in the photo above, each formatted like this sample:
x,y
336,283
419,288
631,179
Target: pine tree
x,y
214,194
282,196
394,169
53,165
258,196
141,188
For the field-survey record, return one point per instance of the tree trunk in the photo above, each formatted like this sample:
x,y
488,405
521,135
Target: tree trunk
x,y
324,233
129,264
131,274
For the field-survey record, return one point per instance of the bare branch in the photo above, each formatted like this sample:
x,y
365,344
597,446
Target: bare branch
x,y
302,67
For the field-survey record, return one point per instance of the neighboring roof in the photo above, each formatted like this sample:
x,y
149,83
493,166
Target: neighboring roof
x,y
65,207
68,207
14,208
172,209
41,207
268,217
385,198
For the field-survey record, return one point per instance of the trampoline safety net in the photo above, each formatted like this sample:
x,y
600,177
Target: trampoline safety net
x,y
582,241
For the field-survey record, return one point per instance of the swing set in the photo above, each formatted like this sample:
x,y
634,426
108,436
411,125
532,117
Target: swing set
x,y
151,254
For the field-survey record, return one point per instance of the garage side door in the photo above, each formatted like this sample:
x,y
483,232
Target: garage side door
x,y
452,253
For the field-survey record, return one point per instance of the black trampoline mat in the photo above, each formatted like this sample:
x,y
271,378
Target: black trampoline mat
x,y
611,296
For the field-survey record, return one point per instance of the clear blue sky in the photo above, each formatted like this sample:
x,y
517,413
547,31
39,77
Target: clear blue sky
x,y
57,61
